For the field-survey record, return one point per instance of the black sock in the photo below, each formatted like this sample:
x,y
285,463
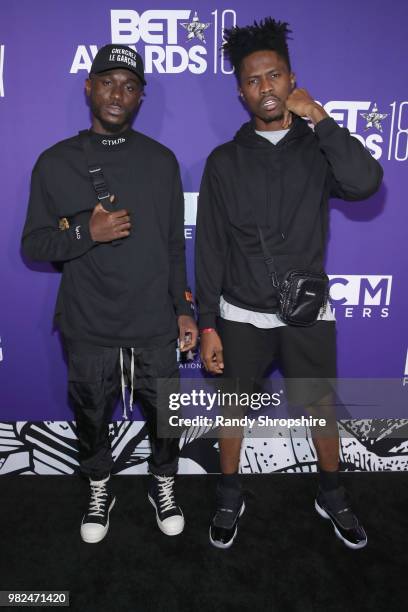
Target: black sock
x,y
231,481
329,480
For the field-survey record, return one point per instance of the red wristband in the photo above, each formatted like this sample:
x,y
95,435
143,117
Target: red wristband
x,y
207,330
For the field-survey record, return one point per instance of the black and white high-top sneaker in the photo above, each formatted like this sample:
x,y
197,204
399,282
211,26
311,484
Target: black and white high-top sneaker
x,y
335,505
95,523
169,516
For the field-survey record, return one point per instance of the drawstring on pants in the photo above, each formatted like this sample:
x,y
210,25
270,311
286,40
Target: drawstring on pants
x,y
132,376
123,383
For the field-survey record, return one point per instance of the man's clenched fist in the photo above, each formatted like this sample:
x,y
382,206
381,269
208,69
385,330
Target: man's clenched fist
x,y
212,352
302,104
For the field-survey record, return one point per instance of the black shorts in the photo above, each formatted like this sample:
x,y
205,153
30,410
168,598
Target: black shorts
x,y
306,357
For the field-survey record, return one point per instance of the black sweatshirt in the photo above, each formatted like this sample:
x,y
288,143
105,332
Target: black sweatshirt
x,y
112,295
284,189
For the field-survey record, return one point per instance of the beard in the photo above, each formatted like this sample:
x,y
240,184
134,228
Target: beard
x,y
269,119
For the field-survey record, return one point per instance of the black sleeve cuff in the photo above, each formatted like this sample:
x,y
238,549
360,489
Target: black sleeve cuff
x,y
207,320
79,227
185,308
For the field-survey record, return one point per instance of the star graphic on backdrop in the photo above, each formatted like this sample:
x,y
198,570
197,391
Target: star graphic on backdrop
x,y
374,118
195,28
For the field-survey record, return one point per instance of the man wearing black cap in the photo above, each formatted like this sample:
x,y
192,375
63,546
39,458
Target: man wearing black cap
x,y
122,300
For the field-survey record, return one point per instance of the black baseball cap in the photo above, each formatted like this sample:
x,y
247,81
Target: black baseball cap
x,y
110,57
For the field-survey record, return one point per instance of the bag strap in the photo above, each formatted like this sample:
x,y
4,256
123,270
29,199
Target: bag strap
x,y
97,177
268,260
95,170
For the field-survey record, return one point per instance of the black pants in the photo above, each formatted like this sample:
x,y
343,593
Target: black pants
x,y
94,384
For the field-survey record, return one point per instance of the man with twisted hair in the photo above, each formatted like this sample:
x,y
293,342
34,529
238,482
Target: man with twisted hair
x,y
276,176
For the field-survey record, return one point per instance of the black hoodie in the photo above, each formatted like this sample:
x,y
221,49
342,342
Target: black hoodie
x,y
112,295
284,189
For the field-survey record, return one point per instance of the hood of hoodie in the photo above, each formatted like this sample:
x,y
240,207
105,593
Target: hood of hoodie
x,y
247,136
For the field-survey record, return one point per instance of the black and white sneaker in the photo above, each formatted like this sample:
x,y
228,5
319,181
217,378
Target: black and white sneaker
x,y
169,516
335,505
95,523
224,526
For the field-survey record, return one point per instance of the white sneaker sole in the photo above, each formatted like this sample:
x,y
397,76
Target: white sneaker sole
x,y
324,515
102,534
163,529
230,543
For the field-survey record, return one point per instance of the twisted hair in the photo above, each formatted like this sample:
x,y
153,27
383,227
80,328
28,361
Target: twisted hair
x,y
267,35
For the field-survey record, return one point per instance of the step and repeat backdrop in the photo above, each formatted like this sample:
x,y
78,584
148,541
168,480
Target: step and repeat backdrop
x,y
351,57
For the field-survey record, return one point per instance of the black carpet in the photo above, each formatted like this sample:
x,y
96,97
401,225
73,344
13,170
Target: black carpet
x,y
285,557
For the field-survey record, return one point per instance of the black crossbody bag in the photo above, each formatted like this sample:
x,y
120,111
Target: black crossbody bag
x,y
302,293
